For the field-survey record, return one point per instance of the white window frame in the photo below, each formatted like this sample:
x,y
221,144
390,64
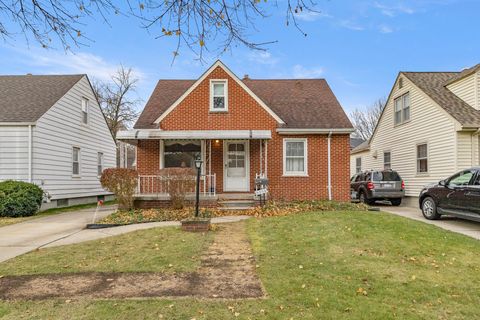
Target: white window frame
x,y
85,111
402,109
79,161
305,158
100,161
225,94
424,158
389,163
358,168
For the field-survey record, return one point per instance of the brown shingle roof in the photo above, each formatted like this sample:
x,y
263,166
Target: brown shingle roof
x,y
464,73
433,84
306,103
27,98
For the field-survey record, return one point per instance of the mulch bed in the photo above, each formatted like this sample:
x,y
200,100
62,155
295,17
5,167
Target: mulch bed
x,y
227,271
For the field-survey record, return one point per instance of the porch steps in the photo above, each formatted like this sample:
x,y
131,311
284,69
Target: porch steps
x,y
235,205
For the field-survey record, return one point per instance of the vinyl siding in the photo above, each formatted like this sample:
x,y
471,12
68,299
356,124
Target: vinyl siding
x,y
14,153
353,162
428,124
57,132
467,89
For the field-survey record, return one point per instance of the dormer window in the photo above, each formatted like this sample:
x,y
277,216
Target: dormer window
x,y
218,96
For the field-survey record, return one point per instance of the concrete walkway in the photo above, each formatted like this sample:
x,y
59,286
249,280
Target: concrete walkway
x,y
468,228
19,238
68,228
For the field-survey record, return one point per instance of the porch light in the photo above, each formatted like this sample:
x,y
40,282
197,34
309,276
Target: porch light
x,y
217,142
198,165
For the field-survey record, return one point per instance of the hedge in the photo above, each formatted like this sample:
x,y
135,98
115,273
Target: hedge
x,y
19,199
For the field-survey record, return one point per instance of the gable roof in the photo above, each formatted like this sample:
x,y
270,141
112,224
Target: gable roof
x,y
464,73
364,146
300,103
434,85
355,142
26,98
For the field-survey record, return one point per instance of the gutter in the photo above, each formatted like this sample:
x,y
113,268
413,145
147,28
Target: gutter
x,y
329,139
314,131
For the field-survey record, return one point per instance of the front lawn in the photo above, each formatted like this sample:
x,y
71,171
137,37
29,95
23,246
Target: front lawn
x,y
320,265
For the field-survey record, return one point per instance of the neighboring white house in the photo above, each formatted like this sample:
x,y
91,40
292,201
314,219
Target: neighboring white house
x,y
429,128
54,134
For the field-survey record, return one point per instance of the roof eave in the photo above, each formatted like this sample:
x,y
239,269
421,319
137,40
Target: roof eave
x,y
315,130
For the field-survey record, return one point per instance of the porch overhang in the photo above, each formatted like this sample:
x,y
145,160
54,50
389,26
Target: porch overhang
x,y
131,136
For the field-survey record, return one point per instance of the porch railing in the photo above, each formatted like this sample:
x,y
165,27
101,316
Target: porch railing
x,y
158,185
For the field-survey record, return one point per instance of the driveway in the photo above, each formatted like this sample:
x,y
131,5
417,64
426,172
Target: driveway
x,y
17,239
468,228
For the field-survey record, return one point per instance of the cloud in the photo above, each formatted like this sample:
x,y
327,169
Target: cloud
x,y
300,72
392,11
351,25
56,62
385,29
263,57
308,15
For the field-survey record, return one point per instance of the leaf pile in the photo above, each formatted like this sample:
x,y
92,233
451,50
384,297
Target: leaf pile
x,y
271,209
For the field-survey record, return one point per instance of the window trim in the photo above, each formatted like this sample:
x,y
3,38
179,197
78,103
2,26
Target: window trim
x,y
358,169
101,162
77,175
225,94
87,107
305,158
418,159
390,163
401,98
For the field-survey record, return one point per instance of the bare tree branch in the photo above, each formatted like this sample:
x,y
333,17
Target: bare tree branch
x,y
365,120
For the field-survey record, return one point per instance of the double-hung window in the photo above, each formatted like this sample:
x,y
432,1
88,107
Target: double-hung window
x,y
99,163
85,110
422,158
402,109
295,157
387,160
358,164
218,95
76,161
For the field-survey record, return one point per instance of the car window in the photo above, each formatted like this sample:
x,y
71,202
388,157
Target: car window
x,y
359,178
461,179
386,176
476,181
354,178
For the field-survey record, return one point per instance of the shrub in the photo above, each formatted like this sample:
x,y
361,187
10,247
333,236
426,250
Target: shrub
x,y
19,199
123,183
179,182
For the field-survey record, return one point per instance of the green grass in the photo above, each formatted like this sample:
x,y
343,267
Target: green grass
x,y
4,221
155,250
312,266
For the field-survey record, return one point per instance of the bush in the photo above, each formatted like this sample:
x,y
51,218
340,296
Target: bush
x,y
19,199
179,182
123,183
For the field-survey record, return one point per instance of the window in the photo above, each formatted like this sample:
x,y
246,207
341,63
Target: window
x,y
387,160
461,179
181,153
400,83
218,95
295,157
422,158
99,164
76,161
402,109
84,110
358,165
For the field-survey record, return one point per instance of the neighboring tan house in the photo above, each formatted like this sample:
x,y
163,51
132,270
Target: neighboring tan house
x,y
428,130
53,133
294,132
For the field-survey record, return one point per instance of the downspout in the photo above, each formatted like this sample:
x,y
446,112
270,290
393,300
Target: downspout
x,y
329,139
30,153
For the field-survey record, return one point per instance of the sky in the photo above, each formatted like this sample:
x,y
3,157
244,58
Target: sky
x,y
358,46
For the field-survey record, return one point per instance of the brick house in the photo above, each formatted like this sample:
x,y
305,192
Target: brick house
x,y
293,132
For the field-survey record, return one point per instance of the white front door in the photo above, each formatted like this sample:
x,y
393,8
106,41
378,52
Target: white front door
x,y
236,166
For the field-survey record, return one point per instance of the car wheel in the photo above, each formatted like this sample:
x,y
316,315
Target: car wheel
x,y
396,202
363,198
429,209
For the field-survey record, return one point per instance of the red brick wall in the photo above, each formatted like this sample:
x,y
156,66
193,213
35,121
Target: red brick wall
x,y
244,113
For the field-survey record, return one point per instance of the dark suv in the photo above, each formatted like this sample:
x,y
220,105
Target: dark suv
x,y
370,186
458,196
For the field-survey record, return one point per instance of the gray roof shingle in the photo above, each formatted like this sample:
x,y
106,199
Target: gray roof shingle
x,y
26,98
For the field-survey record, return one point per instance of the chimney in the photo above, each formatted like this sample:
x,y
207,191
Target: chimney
x,y
246,77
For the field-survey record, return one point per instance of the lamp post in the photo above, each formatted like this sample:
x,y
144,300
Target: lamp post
x,y
198,165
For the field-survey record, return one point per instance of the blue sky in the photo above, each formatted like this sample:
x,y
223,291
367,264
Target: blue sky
x,y
358,46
